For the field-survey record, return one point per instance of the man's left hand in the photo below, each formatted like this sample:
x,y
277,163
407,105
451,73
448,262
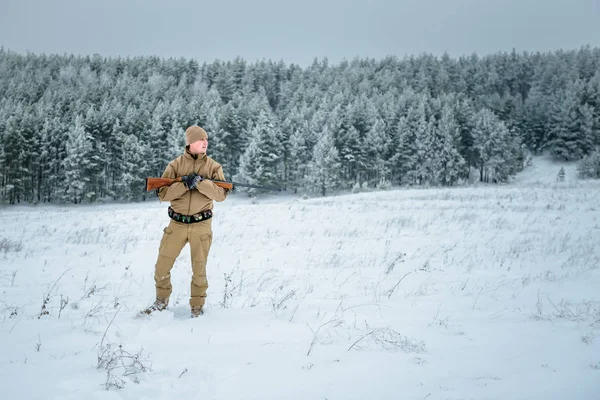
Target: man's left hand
x,y
190,181
195,181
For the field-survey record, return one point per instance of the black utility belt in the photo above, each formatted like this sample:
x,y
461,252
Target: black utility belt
x,y
190,219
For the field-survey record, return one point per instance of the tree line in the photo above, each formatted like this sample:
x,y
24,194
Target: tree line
x,y
92,128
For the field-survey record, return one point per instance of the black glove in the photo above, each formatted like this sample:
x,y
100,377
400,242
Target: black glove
x,y
190,181
196,181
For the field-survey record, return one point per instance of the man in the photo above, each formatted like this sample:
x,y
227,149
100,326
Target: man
x,y
190,213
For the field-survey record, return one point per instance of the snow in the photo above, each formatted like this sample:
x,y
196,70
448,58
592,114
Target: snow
x,y
484,292
544,171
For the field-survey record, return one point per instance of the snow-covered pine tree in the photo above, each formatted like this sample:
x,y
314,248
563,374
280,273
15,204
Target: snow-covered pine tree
x,y
225,83
30,126
402,141
43,172
498,150
324,169
592,98
376,146
157,138
250,167
535,121
572,126
255,104
225,150
210,112
346,140
261,162
15,152
363,116
55,132
413,131
95,125
298,159
463,114
319,118
175,142
425,157
134,167
77,162
449,165
129,123
115,158
3,160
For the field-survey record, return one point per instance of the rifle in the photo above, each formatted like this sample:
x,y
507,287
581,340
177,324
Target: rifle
x,y
155,183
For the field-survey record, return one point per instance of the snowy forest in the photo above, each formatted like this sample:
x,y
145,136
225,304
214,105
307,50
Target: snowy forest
x,y
87,129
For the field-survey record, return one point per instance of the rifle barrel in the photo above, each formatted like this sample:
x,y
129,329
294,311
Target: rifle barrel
x,y
155,183
276,189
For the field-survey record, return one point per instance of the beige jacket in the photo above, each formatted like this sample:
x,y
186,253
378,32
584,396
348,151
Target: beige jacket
x,y
201,198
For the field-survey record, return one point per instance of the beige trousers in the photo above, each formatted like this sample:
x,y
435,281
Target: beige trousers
x,y
175,236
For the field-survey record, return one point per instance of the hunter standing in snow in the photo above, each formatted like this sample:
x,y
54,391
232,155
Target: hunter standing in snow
x,y
191,218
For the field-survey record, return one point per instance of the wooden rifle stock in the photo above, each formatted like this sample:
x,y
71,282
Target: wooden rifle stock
x,y
156,183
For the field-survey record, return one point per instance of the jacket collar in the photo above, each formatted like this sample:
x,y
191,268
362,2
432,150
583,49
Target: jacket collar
x,y
190,156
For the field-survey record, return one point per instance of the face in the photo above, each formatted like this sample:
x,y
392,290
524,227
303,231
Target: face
x,y
199,146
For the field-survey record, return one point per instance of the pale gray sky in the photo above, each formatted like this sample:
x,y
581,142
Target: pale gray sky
x,y
296,32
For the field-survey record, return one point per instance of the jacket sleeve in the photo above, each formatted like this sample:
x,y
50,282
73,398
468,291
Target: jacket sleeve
x,y
175,191
212,191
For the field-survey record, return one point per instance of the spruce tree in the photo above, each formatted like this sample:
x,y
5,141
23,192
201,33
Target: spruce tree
x,y
261,162
298,160
15,154
413,131
560,177
324,168
572,129
498,150
226,150
592,99
134,167
157,138
77,162
376,147
449,165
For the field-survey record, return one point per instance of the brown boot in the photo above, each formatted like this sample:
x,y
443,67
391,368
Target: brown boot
x,y
159,305
197,311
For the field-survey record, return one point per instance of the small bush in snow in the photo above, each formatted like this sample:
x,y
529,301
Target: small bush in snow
x,y
7,245
387,339
356,188
529,161
384,184
561,175
587,339
120,365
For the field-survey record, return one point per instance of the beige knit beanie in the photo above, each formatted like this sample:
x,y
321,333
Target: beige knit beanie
x,y
193,134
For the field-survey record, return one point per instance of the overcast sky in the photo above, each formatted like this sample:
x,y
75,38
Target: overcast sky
x,y
278,30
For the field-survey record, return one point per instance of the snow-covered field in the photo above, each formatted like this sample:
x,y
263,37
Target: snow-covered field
x,y
488,292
